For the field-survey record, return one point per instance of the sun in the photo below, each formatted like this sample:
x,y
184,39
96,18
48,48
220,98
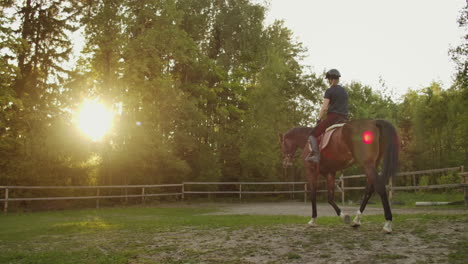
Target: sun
x,y
94,119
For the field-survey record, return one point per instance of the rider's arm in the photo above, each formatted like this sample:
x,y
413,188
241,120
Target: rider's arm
x,y
324,108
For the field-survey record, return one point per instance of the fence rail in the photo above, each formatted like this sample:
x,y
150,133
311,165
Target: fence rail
x,y
409,173
340,187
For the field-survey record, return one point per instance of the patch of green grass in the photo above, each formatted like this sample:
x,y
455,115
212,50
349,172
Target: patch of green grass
x,y
349,245
17,227
419,230
391,256
460,252
365,244
73,236
293,255
65,257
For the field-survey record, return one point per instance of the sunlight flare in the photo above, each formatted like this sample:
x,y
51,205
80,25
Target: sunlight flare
x,y
94,119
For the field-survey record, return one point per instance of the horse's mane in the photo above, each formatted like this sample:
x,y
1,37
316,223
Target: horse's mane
x,y
298,131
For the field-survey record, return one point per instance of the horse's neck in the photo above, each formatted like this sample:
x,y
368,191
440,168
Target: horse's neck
x,y
300,138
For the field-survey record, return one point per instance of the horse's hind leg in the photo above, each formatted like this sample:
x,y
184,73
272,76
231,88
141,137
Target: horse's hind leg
x,y
371,173
368,194
331,197
380,188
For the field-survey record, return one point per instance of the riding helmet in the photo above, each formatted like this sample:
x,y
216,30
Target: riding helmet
x,y
333,74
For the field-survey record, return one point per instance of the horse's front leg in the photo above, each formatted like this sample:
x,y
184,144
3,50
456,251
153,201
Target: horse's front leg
x,y
312,176
331,197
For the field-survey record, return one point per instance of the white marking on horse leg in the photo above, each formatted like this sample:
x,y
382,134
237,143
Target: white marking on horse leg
x,y
387,228
357,219
312,222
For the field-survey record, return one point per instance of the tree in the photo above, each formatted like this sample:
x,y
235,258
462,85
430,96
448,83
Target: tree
x,y
275,104
365,103
431,128
460,54
34,54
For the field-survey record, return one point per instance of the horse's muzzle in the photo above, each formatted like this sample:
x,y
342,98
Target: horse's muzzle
x,y
287,162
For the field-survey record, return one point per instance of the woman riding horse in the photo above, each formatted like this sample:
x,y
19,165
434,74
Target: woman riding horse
x,y
335,106
365,142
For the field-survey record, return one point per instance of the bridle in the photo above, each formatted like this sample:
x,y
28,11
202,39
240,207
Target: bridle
x,y
287,160
288,154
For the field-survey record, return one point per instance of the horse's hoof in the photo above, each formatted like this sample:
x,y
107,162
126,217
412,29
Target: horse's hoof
x,y
355,224
387,228
312,223
347,219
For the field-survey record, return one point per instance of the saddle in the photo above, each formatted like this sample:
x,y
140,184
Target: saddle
x,y
325,137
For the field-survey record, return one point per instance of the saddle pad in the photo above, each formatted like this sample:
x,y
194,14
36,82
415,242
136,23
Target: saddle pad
x,y
334,126
325,138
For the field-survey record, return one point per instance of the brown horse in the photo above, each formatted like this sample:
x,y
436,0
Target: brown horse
x,y
364,142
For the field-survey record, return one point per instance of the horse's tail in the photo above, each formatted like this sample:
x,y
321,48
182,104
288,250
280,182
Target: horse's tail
x,y
389,143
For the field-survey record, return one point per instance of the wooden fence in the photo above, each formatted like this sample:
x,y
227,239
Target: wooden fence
x,y
392,188
98,189
340,187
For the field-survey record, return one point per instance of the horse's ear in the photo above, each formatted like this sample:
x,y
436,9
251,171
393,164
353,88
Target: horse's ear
x,y
280,137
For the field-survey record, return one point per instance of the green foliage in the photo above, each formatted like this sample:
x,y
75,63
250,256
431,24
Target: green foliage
x,y
424,180
202,89
460,54
365,103
31,98
432,128
449,178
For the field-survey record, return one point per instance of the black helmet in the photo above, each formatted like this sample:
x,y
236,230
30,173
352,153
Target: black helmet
x,y
333,74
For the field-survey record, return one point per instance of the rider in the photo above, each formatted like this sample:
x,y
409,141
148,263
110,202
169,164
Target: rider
x,y
335,106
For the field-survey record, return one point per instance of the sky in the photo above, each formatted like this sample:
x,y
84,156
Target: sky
x,y
405,43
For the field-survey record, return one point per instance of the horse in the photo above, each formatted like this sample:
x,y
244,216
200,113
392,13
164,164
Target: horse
x,y
365,142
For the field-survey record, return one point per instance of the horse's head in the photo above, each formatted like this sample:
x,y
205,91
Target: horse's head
x,y
288,148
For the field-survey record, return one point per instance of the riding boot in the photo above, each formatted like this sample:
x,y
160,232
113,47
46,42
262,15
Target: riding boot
x,y
314,154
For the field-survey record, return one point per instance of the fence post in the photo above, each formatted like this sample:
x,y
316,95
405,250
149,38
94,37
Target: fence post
x,y
293,189
465,197
342,190
183,190
97,198
305,192
143,195
5,204
240,192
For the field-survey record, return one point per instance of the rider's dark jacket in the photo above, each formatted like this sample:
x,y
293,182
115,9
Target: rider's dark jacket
x,y
337,109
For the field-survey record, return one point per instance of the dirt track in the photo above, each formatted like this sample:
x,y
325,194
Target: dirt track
x,y
414,240
304,209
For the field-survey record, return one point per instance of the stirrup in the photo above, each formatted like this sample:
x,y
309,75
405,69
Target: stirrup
x,y
314,155
313,158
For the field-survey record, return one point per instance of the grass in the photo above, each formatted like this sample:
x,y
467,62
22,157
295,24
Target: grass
x,y
293,255
460,252
102,236
391,256
193,235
